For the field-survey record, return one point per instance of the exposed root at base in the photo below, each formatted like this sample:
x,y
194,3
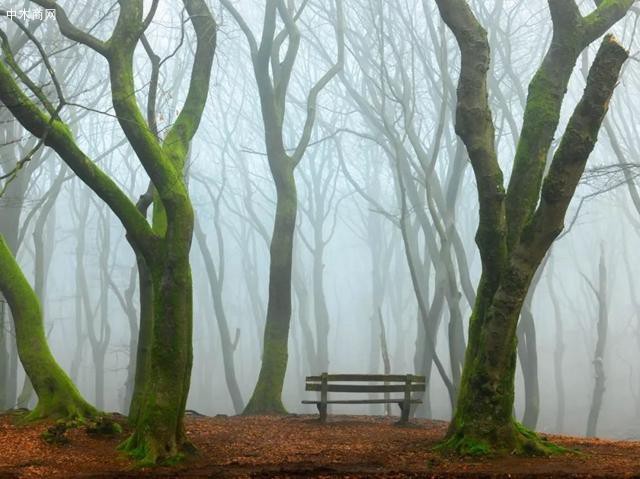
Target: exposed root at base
x,y
98,425
149,452
63,410
520,442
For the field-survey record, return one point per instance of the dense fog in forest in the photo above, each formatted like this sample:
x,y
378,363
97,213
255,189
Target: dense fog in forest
x,y
383,183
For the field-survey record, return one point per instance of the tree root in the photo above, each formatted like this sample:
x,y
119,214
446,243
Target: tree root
x,y
148,451
515,439
66,410
98,425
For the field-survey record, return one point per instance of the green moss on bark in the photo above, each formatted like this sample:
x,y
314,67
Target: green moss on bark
x,y
513,439
267,395
159,435
57,395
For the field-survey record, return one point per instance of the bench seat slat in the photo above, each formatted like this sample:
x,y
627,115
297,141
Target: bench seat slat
x,y
368,377
364,401
365,388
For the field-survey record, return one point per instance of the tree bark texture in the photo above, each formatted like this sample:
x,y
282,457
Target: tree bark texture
x,y
516,229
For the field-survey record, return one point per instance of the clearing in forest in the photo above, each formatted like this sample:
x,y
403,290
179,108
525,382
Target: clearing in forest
x,y
298,446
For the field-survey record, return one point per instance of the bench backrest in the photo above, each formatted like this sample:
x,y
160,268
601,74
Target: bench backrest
x,y
327,382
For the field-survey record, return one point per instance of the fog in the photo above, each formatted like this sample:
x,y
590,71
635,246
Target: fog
x,y
382,153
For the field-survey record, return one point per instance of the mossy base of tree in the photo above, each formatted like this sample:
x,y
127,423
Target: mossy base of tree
x,y
147,450
99,425
103,426
58,397
56,434
511,439
64,408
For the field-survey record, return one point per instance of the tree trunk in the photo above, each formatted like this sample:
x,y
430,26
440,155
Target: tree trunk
x,y
386,361
159,430
143,352
98,363
375,243
43,242
601,342
162,379
528,356
320,310
4,354
134,329
57,395
516,230
267,395
308,344
221,318
9,229
558,353
102,339
483,420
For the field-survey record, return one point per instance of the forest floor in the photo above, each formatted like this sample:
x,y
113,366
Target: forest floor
x,y
298,446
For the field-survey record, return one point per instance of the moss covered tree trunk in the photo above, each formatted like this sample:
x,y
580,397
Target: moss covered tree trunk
x,y
163,370
161,399
57,395
516,229
9,228
143,346
163,247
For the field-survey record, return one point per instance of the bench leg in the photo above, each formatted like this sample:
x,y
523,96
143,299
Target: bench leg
x,y
404,409
322,409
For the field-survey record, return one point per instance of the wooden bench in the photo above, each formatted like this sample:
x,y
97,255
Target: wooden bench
x,y
405,384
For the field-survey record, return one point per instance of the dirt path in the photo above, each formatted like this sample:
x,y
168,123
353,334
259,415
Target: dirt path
x,y
297,446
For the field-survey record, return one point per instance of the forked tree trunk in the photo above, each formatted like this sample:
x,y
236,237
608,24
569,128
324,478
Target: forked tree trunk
x,y
516,230
272,69
160,403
